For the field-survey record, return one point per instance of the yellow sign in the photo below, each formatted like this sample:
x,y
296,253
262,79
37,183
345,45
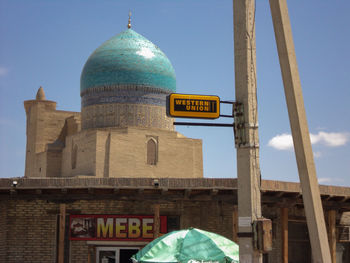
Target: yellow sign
x,y
193,106
114,227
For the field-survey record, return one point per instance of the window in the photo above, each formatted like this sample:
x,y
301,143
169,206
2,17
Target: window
x,y
152,151
115,254
298,243
74,156
173,223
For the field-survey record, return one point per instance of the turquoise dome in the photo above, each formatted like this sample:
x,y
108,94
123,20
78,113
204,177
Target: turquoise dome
x,y
128,58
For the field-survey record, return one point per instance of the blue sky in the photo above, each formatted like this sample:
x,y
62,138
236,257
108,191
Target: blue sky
x,y
46,43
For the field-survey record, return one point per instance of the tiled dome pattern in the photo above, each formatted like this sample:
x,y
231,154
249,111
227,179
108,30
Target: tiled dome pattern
x,y
128,58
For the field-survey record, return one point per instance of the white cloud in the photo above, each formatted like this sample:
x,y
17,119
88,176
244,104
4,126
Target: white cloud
x,y
314,138
282,142
329,180
325,180
332,139
3,71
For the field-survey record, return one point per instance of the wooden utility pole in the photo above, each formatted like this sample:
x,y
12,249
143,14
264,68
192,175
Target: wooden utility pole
x,y
284,230
248,169
300,132
61,233
235,224
156,224
332,234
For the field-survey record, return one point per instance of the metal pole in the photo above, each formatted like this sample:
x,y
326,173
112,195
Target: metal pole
x,y
248,169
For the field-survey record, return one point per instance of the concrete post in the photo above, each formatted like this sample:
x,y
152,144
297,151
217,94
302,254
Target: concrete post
x,y
248,169
300,132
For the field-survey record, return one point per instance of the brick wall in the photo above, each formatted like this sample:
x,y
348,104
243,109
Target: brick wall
x,y
122,152
125,115
44,126
3,229
31,225
28,228
31,231
274,213
85,142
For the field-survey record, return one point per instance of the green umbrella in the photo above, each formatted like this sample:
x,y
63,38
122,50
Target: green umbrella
x,y
189,246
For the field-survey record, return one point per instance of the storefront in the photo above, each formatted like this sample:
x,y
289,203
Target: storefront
x,y
108,220
115,237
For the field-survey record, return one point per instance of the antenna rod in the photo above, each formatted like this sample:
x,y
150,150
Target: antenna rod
x,y
129,22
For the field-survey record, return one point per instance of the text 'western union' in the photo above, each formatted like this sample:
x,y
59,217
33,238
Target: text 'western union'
x,y
195,105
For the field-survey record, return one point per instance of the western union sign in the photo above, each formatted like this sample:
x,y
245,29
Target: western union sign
x,y
193,106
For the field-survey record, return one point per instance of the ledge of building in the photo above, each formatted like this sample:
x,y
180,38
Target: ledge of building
x,y
131,183
273,193
160,183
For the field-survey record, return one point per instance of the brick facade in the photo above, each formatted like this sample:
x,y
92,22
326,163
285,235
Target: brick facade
x,y
30,231
29,212
31,225
116,148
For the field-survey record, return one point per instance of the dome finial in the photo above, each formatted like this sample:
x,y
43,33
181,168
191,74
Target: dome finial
x,y
40,95
129,22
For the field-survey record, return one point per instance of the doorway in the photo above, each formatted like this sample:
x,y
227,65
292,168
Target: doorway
x,y
115,254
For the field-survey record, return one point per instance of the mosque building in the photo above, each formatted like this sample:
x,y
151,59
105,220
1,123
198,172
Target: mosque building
x,y
102,183
123,129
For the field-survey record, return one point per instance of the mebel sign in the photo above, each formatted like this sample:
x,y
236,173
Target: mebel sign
x,y
193,106
114,227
